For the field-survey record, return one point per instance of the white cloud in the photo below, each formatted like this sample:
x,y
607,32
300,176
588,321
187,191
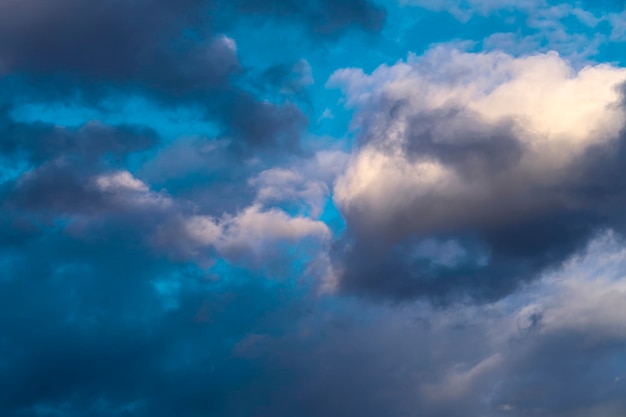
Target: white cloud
x,y
280,184
306,184
120,181
253,229
590,293
127,191
554,113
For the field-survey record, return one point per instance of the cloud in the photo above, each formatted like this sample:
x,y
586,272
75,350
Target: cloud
x,y
149,45
106,324
499,155
172,54
253,231
81,178
116,41
61,170
144,274
38,142
282,185
517,357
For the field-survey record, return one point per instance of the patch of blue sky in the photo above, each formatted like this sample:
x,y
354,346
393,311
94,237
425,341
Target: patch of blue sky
x,y
225,274
8,271
325,108
332,217
229,278
288,278
599,6
573,33
223,271
414,29
613,53
222,277
169,292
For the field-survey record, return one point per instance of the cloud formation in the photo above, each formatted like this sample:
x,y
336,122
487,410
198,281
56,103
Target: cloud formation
x,y
173,53
500,160
177,240
534,355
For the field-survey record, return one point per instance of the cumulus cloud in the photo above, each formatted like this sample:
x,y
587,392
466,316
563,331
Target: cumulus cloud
x,y
497,153
276,185
252,229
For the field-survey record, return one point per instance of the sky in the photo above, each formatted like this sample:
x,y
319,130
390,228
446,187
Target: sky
x,y
312,208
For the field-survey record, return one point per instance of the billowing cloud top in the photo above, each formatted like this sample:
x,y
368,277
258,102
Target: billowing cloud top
x,y
312,208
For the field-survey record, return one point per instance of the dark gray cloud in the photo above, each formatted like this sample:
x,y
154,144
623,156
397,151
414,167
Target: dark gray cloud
x,y
61,164
564,375
172,52
157,43
92,142
484,264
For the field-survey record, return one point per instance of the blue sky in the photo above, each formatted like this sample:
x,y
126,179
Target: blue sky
x,y
310,208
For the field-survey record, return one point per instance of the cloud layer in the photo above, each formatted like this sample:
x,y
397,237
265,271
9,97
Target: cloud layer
x,y
253,208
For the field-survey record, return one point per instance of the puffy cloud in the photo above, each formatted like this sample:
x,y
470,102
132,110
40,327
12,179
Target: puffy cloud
x,y
81,177
252,229
264,236
502,155
276,185
147,44
120,181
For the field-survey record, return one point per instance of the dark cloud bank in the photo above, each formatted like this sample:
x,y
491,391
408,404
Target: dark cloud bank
x,y
171,51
